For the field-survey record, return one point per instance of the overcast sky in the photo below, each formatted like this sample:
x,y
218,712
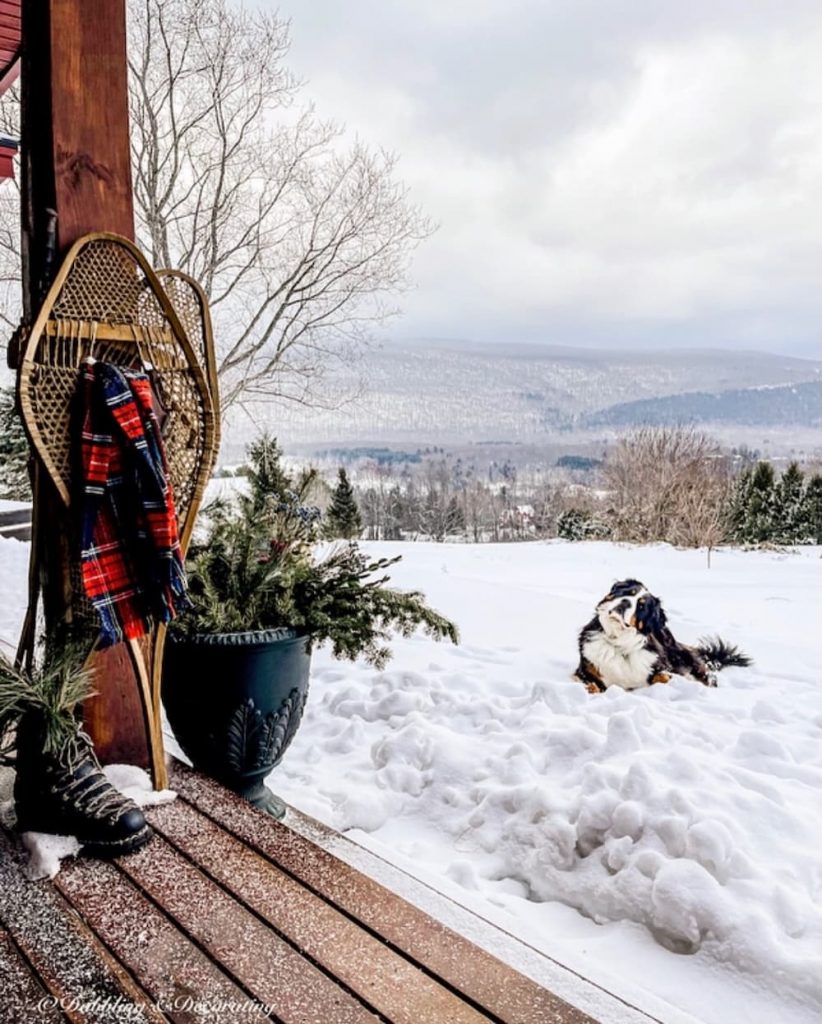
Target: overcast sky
x,y
604,172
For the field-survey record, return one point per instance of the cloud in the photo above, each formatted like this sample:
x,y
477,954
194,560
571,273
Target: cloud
x,y
623,171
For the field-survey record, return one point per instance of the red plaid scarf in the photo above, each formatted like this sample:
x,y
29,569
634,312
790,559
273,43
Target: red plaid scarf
x,y
132,567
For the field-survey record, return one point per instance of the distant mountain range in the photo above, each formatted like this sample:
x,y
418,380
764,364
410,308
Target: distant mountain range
x,y
447,392
768,406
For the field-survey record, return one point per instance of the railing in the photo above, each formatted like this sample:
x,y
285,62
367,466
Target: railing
x,y
16,523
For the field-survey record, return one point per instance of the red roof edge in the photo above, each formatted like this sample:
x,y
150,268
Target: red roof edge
x,y
9,42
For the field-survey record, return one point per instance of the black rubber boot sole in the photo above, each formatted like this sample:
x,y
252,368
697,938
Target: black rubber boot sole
x,y
116,849
104,848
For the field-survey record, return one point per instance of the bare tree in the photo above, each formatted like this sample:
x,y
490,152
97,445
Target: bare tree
x,y
479,512
668,484
10,259
702,520
298,242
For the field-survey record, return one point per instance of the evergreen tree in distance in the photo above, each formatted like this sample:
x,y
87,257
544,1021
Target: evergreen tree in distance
x,y
788,508
343,519
759,514
812,509
266,476
765,510
14,451
571,525
737,509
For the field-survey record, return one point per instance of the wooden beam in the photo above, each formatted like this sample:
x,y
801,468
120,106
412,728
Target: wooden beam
x,y
74,127
76,163
90,155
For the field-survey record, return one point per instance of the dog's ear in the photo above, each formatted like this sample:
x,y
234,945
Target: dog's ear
x,y
650,615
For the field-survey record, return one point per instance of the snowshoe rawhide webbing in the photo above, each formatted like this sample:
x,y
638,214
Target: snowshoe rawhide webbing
x,y
107,303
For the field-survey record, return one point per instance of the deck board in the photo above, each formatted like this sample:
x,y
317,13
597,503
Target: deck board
x,y
172,970
24,998
67,957
346,951
228,916
264,964
481,978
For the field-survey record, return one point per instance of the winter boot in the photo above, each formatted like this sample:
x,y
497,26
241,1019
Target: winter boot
x,y
68,794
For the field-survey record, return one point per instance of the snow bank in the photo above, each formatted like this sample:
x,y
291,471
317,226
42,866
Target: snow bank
x,y
693,813
14,571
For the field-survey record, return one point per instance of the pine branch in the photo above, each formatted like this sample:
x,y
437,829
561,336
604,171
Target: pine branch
x,y
52,690
257,571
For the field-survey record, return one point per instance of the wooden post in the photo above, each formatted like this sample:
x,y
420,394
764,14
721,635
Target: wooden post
x,y
76,164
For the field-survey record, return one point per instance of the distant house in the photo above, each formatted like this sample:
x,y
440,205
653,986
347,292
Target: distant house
x,y
517,520
8,151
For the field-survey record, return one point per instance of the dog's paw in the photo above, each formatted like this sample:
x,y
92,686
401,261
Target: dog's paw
x,y
661,677
592,688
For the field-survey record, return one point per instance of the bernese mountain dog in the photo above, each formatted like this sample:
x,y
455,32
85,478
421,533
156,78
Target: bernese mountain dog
x,y
628,643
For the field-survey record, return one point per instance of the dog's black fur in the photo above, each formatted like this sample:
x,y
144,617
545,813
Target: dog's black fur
x,y
667,656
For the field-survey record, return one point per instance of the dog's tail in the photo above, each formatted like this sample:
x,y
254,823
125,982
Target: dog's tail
x,y
720,654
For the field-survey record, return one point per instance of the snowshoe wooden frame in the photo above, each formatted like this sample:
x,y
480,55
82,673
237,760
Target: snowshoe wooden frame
x,y
107,302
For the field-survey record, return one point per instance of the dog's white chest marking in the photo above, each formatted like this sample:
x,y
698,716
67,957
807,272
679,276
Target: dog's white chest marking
x,y
622,661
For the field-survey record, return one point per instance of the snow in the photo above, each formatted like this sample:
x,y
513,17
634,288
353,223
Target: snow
x,y
45,852
662,843
670,833
14,572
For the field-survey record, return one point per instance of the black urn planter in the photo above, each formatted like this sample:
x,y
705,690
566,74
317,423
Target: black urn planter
x,y
234,702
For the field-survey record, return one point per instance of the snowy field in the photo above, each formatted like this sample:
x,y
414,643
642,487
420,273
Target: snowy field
x,y
664,843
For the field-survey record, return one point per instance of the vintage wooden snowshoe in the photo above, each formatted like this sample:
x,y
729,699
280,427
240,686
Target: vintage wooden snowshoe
x,y
107,303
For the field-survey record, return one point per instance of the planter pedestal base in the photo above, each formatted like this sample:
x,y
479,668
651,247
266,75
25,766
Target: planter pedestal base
x,y
262,797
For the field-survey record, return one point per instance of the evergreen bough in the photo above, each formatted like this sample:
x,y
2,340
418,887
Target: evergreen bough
x,y
257,570
51,690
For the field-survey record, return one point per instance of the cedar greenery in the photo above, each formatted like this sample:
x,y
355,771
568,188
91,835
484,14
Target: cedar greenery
x,y
257,570
52,690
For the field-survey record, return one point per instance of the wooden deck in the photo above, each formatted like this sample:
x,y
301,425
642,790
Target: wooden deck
x,y
229,916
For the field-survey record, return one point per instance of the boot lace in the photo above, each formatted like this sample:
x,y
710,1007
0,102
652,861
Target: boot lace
x,y
91,793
